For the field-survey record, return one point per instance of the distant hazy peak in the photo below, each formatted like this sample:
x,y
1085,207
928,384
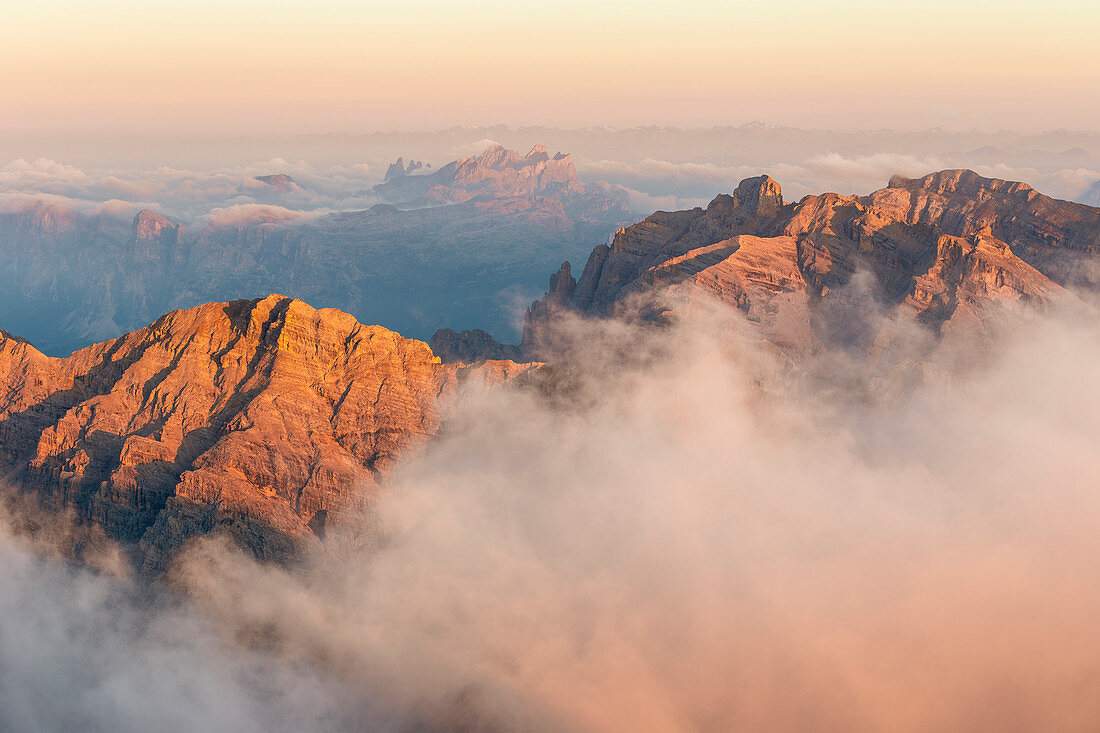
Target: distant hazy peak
x,y
538,153
500,173
279,181
149,224
959,181
398,169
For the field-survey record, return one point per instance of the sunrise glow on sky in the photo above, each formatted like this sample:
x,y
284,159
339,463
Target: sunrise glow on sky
x,y
336,65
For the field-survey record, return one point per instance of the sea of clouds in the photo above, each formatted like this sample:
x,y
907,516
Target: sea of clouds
x,y
660,184
222,197
684,531
685,172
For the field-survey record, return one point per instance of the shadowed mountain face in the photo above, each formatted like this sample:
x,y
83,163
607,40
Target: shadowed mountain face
x,y
266,419
840,270
68,279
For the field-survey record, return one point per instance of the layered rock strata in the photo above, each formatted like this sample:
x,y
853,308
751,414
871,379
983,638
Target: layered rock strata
x,y
268,420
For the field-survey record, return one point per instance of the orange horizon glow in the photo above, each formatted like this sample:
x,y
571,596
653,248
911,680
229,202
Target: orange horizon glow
x,y
335,65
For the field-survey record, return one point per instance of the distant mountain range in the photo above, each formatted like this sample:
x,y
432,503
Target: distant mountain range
x,y
499,174
497,222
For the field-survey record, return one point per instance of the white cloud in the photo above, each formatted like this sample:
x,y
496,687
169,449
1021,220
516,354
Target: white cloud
x,y
468,149
251,213
815,174
696,537
671,550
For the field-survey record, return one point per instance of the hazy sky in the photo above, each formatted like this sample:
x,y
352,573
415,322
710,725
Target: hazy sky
x,y
265,66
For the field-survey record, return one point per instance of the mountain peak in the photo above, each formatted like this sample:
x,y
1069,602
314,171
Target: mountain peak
x,y
151,225
396,170
6,336
762,194
279,181
960,180
259,418
545,183
148,217
497,157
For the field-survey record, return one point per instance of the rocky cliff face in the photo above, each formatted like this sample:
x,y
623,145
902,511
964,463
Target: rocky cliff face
x,y
266,419
937,250
470,346
1060,238
48,256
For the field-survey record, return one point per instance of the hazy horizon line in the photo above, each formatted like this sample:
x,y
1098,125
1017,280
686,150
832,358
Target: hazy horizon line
x,y
592,127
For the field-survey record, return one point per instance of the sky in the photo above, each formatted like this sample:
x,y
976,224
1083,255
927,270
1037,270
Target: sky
x,y
270,67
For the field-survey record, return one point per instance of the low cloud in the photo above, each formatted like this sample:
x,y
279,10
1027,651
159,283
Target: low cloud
x,y
41,169
251,214
804,165
640,201
691,534
61,205
192,195
662,182
87,652
659,184
678,550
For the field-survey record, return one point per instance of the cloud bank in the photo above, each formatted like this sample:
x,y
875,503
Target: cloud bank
x,y
661,184
654,167
190,195
682,531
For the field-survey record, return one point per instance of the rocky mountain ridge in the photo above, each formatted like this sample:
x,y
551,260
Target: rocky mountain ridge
x,y
268,420
398,169
937,251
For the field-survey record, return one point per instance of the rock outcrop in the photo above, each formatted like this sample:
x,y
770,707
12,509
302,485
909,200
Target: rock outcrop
x,y
947,244
395,170
469,346
268,420
280,182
